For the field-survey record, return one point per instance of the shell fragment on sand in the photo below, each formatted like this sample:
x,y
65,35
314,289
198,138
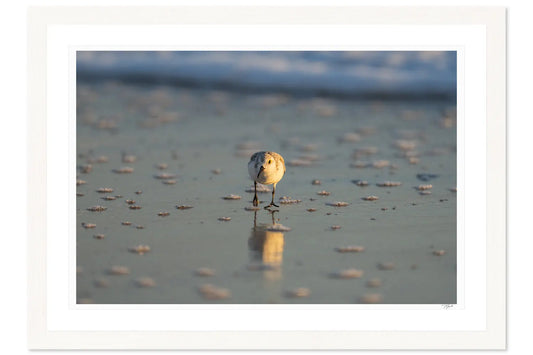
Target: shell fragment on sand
x,y
299,292
184,207
348,274
212,292
424,187
204,272
123,170
350,249
388,183
370,198
140,249
360,182
232,197
288,200
97,208
338,204
119,270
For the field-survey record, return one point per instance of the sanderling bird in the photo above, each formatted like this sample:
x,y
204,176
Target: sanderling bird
x,y
266,168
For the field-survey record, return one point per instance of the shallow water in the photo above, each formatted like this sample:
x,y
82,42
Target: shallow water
x,y
197,131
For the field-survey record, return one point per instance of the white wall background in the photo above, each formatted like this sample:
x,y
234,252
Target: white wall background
x,y
14,148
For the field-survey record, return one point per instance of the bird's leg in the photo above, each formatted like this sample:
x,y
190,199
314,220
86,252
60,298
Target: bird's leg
x,y
255,202
273,193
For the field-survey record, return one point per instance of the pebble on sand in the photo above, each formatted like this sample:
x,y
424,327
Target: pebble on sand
x,y
370,198
135,207
216,171
109,198
140,249
119,270
145,282
338,204
323,193
97,208
453,189
80,182
212,292
425,192
224,219
169,182
348,274
316,182
163,214
311,210
232,197
99,236
162,166
299,292
371,298
138,192
204,272
105,190
88,225
335,227
350,249
126,223
439,252
130,202
251,208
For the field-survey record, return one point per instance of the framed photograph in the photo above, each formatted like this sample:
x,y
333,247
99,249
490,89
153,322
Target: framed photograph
x,y
267,178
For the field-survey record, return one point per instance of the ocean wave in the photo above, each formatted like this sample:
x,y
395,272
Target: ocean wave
x,y
338,73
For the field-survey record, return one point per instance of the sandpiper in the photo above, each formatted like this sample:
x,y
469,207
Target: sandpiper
x,y
266,168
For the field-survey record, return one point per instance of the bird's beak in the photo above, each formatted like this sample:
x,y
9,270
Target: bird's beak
x,y
260,171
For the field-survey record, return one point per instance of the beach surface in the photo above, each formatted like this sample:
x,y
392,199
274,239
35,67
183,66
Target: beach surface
x,y
181,153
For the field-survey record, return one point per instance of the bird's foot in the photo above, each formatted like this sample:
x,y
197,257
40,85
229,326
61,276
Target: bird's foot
x,y
271,204
255,202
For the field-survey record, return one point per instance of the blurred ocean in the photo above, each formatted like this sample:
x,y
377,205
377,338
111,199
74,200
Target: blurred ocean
x,y
364,74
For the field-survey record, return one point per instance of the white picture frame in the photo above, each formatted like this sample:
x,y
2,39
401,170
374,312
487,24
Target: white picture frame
x,y
50,37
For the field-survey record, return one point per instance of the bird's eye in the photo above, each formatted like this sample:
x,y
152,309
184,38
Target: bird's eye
x,y
270,161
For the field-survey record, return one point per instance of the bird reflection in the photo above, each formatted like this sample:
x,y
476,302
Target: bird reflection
x,y
266,248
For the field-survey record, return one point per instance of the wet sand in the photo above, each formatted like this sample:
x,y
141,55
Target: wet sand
x,y
165,147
